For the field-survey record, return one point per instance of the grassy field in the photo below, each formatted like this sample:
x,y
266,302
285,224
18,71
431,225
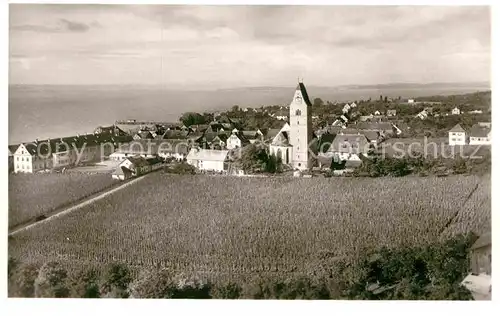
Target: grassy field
x,y
240,227
31,195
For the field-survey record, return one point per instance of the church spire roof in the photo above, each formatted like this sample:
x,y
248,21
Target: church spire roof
x,y
303,91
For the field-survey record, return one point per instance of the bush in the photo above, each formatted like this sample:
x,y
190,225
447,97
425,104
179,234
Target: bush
x,y
85,284
229,290
116,281
191,287
22,280
152,284
51,281
180,168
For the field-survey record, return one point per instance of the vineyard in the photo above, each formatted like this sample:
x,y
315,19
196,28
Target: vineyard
x,y
241,227
32,195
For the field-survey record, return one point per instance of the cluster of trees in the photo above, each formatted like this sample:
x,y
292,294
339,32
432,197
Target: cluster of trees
x,y
255,158
378,166
439,126
432,272
180,168
429,272
193,118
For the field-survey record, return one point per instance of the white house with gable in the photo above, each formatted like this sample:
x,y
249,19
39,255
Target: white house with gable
x,y
457,136
208,159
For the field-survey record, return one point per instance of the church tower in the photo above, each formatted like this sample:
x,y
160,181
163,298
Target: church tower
x,y
300,128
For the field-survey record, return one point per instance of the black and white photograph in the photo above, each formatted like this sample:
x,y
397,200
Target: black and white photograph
x,y
249,152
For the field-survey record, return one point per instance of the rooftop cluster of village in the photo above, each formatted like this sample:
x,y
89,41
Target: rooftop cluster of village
x,y
303,135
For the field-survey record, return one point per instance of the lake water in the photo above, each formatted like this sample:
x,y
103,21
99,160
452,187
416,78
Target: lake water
x,y
57,111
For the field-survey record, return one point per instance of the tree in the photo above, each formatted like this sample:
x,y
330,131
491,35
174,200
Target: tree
x,y
253,158
192,118
235,108
22,281
52,281
317,102
116,281
152,284
271,164
385,99
85,284
229,290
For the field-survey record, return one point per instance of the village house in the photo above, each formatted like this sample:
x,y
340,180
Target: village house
x,y
281,115
174,134
376,113
349,147
253,136
136,166
479,135
346,108
455,111
391,113
144,134
457,136
484,124
478,282
65,152
475,112
136,148
177,149
385,129
236,140
208,159
422,115
110,130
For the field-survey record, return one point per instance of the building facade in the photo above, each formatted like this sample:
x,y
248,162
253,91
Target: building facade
x,y
457,136
300,128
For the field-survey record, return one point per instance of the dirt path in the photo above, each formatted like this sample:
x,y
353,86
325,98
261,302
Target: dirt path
x,y
75,207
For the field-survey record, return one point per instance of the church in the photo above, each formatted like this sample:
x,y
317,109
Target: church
x,y
295,138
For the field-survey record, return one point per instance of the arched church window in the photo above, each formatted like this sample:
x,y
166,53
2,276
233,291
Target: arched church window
x,y
298,112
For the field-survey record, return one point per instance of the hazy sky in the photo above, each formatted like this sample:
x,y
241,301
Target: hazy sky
x,y
221,46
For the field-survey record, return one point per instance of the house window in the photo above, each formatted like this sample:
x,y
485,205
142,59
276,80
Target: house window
x,y
298,123
298,112
17,158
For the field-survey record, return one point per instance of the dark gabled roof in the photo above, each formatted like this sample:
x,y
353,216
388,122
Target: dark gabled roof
x,y
303,91
175,134
374,126
145,134
479,131
354,144
325,141
457,128
13,148
483,241
281,139
272,132
138,161
63,144
154,161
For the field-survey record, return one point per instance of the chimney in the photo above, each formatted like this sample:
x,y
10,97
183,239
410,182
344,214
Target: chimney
x,y
36,140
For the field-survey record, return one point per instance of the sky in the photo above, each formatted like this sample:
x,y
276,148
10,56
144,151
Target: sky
x,y
238,46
